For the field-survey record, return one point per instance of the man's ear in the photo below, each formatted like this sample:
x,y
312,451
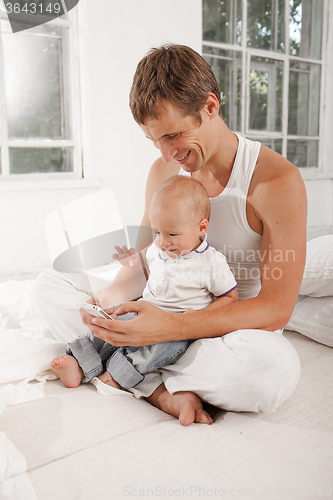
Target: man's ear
x,y
212,105
203,227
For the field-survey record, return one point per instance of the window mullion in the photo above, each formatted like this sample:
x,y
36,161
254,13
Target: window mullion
x,y
247,56
285,92
41,143
245,82
3,118
75,90
323,87
285,106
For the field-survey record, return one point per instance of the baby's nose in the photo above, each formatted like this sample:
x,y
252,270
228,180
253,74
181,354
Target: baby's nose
x,y
164,242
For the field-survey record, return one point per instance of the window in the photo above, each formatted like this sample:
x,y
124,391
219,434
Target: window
x,y
269,59
39,122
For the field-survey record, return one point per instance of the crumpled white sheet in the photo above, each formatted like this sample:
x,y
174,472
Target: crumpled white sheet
x,y
14,481
26,346
25,390
108,390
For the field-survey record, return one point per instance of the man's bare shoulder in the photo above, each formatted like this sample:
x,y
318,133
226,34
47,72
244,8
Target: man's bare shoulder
x,y
160,171
163,170
275,183
273,171
272,165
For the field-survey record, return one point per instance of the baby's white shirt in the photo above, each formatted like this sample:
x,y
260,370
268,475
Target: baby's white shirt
x,y
191,281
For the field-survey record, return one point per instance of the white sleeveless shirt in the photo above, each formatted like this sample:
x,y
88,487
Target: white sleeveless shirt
x,y
229,230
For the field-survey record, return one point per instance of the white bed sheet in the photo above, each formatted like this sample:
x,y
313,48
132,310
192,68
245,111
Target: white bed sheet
x,y
76,443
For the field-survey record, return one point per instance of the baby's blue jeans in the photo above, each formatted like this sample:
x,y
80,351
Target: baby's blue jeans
x,y
127,365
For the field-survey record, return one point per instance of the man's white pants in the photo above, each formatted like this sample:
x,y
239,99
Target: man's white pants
x,y
245,370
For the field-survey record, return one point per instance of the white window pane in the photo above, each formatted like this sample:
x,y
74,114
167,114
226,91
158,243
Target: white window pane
x,y
227,67
265,24
266,81
303,153
305,28
33,83
42,160
222,21
304,98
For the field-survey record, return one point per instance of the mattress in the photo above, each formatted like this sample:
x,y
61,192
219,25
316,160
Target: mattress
x,y
91,442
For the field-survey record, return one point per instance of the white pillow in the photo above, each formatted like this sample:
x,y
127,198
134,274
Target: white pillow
x,y
318,273
313,317
313,313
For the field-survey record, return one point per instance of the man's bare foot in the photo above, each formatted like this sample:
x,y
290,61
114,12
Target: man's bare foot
x,y
106,378
184,405
68,370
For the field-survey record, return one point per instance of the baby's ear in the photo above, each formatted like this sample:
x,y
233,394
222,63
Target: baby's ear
x,y
203,226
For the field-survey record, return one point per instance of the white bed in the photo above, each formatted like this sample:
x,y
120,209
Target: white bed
x,y
84,443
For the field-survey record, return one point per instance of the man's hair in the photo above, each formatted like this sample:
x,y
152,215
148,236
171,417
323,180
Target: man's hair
x,y
173,73
182,189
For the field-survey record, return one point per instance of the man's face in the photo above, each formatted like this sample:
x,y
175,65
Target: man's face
x,y
179,138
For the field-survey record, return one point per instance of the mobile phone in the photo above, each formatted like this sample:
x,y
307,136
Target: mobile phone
x,y
95,311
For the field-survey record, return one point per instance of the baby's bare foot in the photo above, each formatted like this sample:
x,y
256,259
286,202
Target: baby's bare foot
x,y
68,370
106,378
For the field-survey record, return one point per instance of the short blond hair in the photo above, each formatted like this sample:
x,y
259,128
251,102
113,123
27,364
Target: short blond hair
x,y
186,190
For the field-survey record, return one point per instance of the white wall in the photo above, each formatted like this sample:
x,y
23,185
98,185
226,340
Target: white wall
x,y
320,191
113,36
116,36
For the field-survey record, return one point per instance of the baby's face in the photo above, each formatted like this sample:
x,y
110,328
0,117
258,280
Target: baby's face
x,y
177,232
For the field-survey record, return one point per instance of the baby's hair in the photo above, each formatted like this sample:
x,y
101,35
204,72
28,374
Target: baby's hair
x,y
186,190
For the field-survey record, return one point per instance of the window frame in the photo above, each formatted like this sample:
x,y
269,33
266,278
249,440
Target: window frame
x,y
322,169
71,58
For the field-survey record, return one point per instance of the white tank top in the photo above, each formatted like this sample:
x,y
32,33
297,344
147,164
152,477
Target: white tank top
x,y
229,230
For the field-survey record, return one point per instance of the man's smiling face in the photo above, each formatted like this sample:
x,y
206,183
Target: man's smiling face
x,y
179,138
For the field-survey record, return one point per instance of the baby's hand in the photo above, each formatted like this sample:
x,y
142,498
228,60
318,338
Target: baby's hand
x,y
125,256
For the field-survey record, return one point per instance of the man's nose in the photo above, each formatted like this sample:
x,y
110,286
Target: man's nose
x,y
168,151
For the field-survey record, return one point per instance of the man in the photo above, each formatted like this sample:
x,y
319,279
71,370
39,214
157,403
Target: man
x,y
258,220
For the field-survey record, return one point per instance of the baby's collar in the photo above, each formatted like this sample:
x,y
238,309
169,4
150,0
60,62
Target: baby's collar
x,y
203,246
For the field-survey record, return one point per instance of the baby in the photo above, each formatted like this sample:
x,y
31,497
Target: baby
x,y
185,274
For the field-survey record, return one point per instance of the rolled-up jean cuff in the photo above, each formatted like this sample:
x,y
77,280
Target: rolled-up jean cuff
x,y
87,357
122,370
146,388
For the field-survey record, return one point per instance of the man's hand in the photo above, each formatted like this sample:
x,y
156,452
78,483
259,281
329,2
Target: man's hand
x,y
151,325
86,317
104,299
